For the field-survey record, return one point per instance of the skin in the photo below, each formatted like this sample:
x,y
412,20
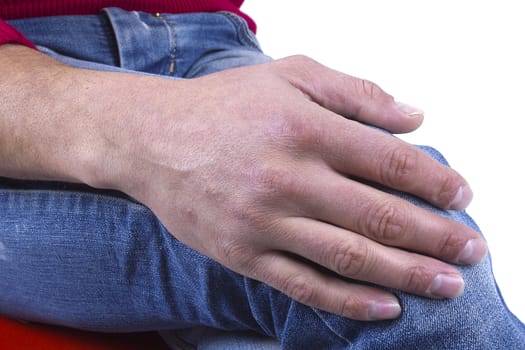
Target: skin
x,y
252,167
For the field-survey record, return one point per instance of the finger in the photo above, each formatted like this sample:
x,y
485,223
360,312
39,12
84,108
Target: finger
x,y
352,97
388,219
354,256
362,152
310,286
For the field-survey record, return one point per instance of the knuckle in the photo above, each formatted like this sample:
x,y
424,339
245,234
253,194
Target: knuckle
x,y
447,189
299,288
386,222
302,72
235,254
398,166
354,308
417,278
243,258
299,61
297,67
254,219
449,246
246,209
350,260
272,180
276,184
369,89
300,134
293,131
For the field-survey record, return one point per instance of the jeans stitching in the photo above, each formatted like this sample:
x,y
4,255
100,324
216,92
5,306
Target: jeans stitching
x,y
172,68
129,202
244,34
327,324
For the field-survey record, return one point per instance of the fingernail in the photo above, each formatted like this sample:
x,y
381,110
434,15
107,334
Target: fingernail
x,y
473,252
409,111
446,286
384,310
462,199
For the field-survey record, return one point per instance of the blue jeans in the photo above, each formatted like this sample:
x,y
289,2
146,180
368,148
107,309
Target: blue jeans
x,y
99,260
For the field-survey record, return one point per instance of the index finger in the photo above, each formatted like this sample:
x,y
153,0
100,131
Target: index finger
x,y
369,154
396,164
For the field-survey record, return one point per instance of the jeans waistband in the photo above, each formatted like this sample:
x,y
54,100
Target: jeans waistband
x,y
166,44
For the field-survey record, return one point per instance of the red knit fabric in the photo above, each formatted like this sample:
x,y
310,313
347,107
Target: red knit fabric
x,y
9,34
15,9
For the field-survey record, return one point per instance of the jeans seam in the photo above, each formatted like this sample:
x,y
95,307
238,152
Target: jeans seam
x,y
110,31
327,324
132,203
244,34
172,67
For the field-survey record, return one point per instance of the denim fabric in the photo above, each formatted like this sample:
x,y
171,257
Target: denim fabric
x,y
98,260
183,46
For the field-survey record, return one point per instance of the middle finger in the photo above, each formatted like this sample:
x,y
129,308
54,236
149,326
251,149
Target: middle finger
x,y
389,219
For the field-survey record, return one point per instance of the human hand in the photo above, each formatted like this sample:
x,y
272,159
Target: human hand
x,y
253,166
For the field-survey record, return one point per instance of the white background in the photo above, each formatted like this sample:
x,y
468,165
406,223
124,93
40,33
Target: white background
x,y
462,62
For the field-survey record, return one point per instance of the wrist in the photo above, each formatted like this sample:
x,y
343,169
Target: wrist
x,y
117,130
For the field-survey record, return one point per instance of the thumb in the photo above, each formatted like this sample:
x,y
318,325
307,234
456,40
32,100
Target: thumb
x,y
351,97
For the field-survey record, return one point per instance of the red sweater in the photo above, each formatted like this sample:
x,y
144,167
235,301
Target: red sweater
x,y
16,9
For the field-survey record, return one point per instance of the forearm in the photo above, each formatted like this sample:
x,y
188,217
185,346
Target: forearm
x,y
58,122
35,138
